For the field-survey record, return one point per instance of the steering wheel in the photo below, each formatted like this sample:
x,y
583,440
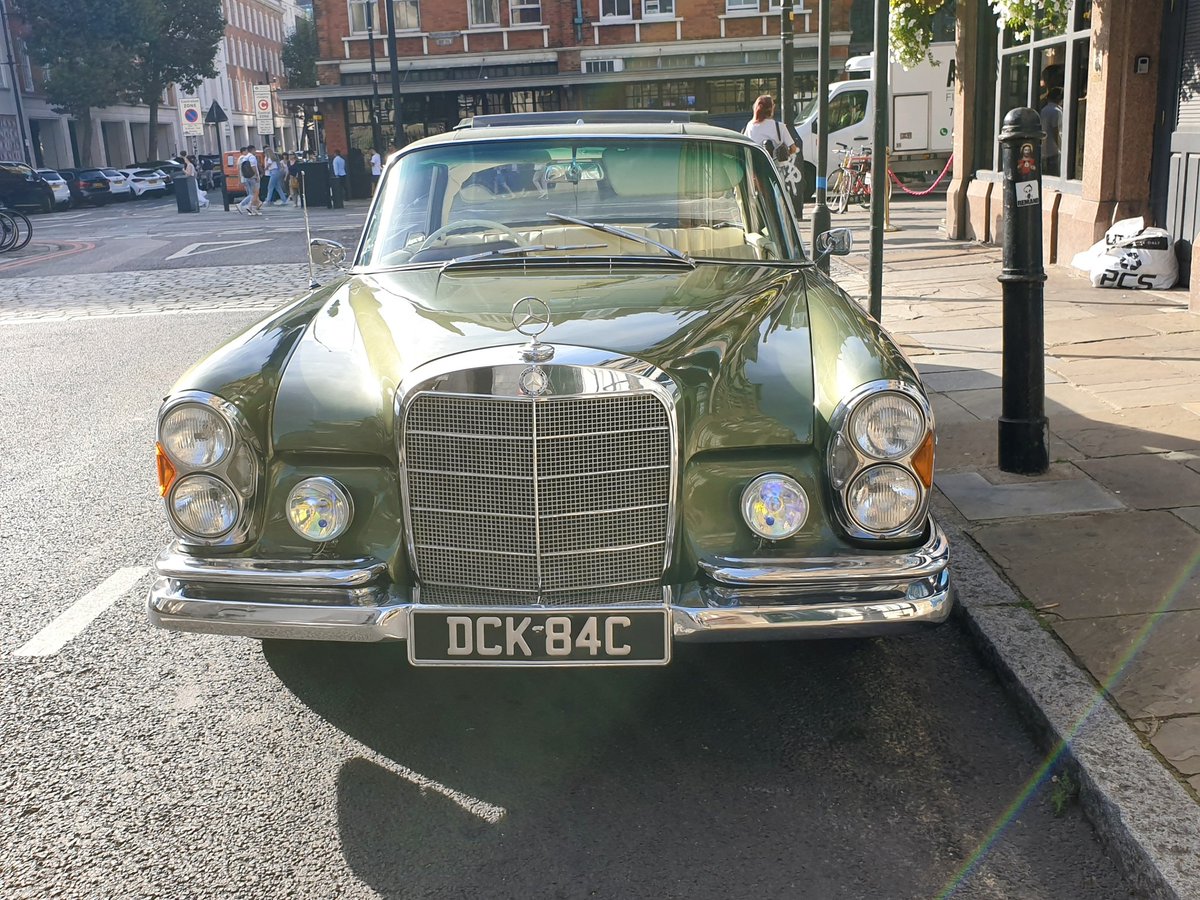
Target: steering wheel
x,y
473,224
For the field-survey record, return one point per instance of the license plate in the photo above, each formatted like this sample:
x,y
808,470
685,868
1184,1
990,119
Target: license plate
x,y
505,637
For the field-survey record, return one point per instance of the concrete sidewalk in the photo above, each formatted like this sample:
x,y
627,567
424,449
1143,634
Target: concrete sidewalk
x,y
1105,548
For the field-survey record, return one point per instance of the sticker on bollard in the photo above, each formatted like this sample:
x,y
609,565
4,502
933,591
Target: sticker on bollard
x,y
1027,193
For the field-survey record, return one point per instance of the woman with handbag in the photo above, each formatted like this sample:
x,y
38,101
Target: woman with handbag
x,y
765,129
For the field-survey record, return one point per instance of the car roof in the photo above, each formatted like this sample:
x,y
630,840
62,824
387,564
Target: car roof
x,y
622,129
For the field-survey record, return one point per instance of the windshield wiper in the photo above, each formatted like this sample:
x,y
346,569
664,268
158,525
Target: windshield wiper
x,y
621,232
516,251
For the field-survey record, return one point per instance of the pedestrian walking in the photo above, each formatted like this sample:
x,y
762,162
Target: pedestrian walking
x,y
276,171
765,129
339,171
1051,116
376,168
294,193
249,173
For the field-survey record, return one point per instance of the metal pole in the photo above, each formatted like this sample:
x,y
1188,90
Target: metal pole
x,y
1023,430
879,158
375,135
787,77
16,85
312,278
394,65
821,218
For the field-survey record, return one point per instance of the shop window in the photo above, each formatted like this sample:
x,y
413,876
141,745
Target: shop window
x,y
483,12
524,12
1049,72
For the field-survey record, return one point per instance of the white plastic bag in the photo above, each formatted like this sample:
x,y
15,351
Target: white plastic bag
x,y
1131,257
202,197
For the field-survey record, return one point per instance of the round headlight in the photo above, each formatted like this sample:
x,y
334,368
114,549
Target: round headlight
x,y
195,436
204,506
319,509
887,426
883,498
774,506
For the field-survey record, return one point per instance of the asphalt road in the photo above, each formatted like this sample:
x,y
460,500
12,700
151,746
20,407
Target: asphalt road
x,y
138,763
151,233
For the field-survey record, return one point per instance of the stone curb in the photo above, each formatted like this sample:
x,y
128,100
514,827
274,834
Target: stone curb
x,y
1145,819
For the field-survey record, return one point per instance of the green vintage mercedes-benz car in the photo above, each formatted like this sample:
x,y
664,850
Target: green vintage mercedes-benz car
x,y
579,395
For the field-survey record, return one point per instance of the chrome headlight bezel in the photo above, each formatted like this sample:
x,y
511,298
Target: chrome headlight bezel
x,y
240,468
846,460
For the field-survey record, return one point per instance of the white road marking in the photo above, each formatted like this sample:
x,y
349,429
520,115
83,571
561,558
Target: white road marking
x,y
213,247
489,812
82,613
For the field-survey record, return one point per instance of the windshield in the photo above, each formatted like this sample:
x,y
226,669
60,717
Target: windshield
x,y
705,199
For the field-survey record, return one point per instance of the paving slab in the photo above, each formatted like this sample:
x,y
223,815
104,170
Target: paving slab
x,y
1100,564
946,411
974,445
1179,389
1146,481
969,379
1067,331
1179,741
980,500
1088,371
985,360
1190,514
963,322
968,339
1149,429
1149,663
1171,321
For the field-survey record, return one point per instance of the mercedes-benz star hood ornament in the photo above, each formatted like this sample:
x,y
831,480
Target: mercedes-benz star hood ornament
x,y
531,317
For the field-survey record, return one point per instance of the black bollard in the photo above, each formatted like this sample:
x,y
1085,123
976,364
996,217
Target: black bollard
x,y
1023,433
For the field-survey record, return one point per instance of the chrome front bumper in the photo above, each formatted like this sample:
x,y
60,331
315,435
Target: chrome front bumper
x,y
352,600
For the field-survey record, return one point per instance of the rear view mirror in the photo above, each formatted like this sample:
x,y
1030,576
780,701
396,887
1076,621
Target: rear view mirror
x,y
836,242
573,172
326,253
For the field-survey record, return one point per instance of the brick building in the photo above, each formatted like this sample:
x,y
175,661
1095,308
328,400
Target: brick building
x,y
459,58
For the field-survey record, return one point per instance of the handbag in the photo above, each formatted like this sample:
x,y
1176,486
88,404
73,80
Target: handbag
x,y
782,150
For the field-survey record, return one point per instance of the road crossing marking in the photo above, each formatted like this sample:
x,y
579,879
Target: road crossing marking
x,y
213,247
82,613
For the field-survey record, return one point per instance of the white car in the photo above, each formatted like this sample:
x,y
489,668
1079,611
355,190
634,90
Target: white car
x,y
119,184
58,184
146,181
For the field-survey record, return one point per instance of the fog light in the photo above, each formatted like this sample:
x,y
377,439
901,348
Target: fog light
x,y
203,506
883,498
774,506
319,509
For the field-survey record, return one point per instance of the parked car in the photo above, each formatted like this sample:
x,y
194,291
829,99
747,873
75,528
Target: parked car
x,y
579,395
146,181
88,186
168,167
59,187
23,188
119,184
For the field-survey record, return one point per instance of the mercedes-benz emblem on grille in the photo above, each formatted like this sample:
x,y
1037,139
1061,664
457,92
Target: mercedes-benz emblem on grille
x,y
534,381
531,316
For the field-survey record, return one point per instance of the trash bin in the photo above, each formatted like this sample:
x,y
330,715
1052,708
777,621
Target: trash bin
x,y
315,184
186,198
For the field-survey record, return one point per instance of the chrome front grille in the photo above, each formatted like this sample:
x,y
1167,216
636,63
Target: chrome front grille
x,y
557,502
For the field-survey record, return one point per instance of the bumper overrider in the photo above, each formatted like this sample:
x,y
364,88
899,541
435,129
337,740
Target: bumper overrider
x,y
876,593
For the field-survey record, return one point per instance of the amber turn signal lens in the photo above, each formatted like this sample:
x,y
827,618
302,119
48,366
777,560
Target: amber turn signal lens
x,y
922,461
166,471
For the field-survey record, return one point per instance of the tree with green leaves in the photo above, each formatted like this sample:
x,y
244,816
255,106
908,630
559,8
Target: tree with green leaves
x,y
911,22
174,42
85,67
299,56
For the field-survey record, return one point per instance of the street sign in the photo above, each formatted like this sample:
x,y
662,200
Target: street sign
x,y
192,116
215,115
264,110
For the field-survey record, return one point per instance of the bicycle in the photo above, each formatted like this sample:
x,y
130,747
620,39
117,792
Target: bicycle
x,y
15,230
852,180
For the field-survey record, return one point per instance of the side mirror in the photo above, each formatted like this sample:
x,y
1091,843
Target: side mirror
x,y
835,242
326,253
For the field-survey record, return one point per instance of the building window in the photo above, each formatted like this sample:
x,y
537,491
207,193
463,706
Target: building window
x,y
741,6
483,12
407,14
1049,72
616,9
359,11
524,12
657,8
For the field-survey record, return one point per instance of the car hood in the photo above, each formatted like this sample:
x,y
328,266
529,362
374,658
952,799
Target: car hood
x,y
735,338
